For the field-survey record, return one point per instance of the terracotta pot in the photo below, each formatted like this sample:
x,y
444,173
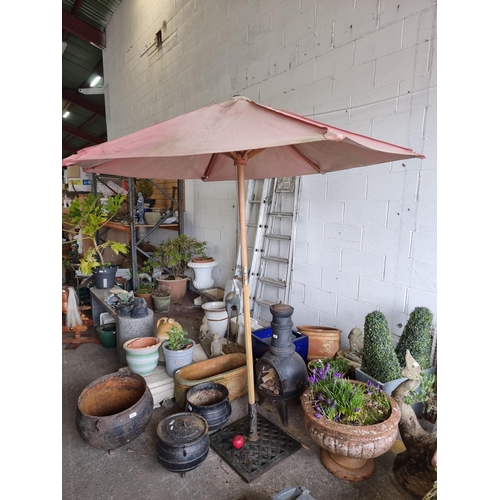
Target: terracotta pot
x,y
324,342
178,286
348,451
147,297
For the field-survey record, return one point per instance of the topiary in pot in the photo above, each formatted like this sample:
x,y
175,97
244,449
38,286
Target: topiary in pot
x,y
379,357
416,338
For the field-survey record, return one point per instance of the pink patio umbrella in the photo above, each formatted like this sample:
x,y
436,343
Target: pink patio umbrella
x,y
236,140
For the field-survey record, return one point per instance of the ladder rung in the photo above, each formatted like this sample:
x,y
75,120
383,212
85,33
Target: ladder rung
x,y
276,259
265,302
270,281
255,201
278,236
252,225
281,214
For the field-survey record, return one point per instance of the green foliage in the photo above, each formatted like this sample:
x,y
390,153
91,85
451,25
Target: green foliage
x,y
90,215
340,365
417,338
342,400
144,186
427,394
174,254
177,339
379,357
147,288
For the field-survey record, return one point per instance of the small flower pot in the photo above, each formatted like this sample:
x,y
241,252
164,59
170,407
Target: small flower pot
x,y
162,304
177,359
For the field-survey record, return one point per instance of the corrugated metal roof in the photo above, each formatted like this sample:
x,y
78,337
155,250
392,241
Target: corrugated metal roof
x,y
81,61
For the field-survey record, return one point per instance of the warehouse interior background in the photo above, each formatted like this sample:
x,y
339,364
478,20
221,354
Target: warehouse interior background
x,y
467,249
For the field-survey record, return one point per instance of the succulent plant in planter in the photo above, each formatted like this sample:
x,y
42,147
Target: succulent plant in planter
x,y
379,358
416,337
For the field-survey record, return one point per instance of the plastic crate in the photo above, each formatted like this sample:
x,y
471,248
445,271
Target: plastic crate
x,y
261,339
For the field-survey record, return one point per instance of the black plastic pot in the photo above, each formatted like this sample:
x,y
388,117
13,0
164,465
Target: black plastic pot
x,y
211,401
113,410
105,277
183,442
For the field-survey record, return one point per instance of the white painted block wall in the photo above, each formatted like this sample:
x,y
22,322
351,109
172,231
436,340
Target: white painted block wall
x,y
366,238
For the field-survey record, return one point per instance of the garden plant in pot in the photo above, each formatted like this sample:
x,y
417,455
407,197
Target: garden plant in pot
x,y
381,362
90,216
353,422
178,350
173,255
145,291
162,295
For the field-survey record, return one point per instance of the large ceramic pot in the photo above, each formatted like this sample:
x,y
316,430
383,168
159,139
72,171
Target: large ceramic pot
x,y
142,354
178,286
217,317
324,341
348,451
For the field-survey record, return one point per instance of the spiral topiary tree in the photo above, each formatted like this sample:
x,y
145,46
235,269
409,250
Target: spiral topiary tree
x,y
417,338
379,358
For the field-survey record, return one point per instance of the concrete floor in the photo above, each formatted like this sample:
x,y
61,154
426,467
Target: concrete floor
x,y
132,471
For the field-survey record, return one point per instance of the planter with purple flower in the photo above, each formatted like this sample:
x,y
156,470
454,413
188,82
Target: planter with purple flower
x,y
353,422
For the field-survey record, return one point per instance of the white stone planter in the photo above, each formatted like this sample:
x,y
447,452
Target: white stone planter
x,y
202,274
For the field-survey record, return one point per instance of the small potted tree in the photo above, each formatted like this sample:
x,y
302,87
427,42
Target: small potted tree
x,y
173,255
178,350
145,186
145,291
90,216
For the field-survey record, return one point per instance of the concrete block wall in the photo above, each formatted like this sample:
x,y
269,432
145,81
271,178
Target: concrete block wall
x,y
366,237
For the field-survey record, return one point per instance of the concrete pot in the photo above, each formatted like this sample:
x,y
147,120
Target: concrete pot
x,y
202,273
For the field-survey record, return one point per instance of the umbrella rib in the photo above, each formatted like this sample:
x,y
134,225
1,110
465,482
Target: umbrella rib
x,y
305,158
209,168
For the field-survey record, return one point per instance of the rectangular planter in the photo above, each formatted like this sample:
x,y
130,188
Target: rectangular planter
x,y
229,370
261,339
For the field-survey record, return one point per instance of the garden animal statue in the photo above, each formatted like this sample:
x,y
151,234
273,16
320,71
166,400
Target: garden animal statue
x,y
413,467
355,345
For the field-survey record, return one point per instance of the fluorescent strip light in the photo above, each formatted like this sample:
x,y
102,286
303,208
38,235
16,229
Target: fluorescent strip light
x,y
66,114
95,81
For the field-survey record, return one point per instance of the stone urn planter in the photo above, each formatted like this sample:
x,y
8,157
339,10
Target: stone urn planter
x,y
348,451
202,272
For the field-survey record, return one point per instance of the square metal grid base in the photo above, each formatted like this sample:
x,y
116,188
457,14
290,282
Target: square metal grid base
x,y
257,457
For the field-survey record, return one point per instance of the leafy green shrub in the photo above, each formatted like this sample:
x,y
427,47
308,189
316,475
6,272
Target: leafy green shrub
x,y
379,358
177,339
416,338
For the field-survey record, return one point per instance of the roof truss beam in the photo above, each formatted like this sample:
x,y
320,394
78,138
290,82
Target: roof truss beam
x,y
82,134
77,99
83,30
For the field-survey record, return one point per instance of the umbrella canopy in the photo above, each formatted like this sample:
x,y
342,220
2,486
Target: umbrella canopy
x,y
198,145
237,140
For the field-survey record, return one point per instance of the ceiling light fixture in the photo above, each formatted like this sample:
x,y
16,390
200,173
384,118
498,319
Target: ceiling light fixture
x,y
66,114
95,81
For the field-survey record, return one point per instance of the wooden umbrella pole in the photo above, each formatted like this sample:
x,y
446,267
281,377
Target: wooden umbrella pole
x,y
252,405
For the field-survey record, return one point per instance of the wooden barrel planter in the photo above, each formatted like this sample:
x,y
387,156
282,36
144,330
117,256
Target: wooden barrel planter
x,y
211,401
113,410
183,442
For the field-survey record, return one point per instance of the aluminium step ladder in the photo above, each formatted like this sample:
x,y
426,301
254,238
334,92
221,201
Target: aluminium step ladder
x,y
272,264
